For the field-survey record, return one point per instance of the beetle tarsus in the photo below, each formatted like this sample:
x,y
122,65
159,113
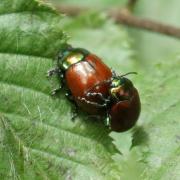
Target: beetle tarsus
x,y
53,72
74,112
55,91
69,97
107,121
98,105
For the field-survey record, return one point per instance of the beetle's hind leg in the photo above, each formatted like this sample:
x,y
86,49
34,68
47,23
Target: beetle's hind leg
x,y
107,120
74,112
98,105
100,96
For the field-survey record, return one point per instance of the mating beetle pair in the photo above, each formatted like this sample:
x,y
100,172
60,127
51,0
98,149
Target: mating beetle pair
x,y
96,89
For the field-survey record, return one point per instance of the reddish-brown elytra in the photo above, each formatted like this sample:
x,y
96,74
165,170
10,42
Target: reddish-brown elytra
x,y
93,87
82,71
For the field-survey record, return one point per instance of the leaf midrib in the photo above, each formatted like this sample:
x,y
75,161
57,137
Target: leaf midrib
x,y
48,154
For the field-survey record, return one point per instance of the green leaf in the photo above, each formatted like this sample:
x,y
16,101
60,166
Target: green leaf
x,y
38,139
28,27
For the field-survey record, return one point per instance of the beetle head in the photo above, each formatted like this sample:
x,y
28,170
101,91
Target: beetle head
x,y
121,87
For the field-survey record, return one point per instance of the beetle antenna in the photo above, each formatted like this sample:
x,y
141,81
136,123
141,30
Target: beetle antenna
x,y
128,74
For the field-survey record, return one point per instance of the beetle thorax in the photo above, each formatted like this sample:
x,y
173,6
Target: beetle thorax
x,y
118,89
70,59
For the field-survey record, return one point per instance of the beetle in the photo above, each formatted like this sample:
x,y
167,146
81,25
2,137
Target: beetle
x,y
79,72
93,87
125,104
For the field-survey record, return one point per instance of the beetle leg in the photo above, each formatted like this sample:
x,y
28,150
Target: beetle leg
x,y
74,112
52,72
98,105
107,121
69,96
55,91
56,71
106,101
96,94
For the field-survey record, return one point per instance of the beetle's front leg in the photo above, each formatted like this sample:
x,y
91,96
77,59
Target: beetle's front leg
x,y
74,112
56,71
105,104
98,105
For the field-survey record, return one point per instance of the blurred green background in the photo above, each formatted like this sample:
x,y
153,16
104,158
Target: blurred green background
x,y
148,46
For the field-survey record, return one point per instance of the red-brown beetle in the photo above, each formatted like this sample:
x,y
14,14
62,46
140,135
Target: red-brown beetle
x,y
126,106
94,88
